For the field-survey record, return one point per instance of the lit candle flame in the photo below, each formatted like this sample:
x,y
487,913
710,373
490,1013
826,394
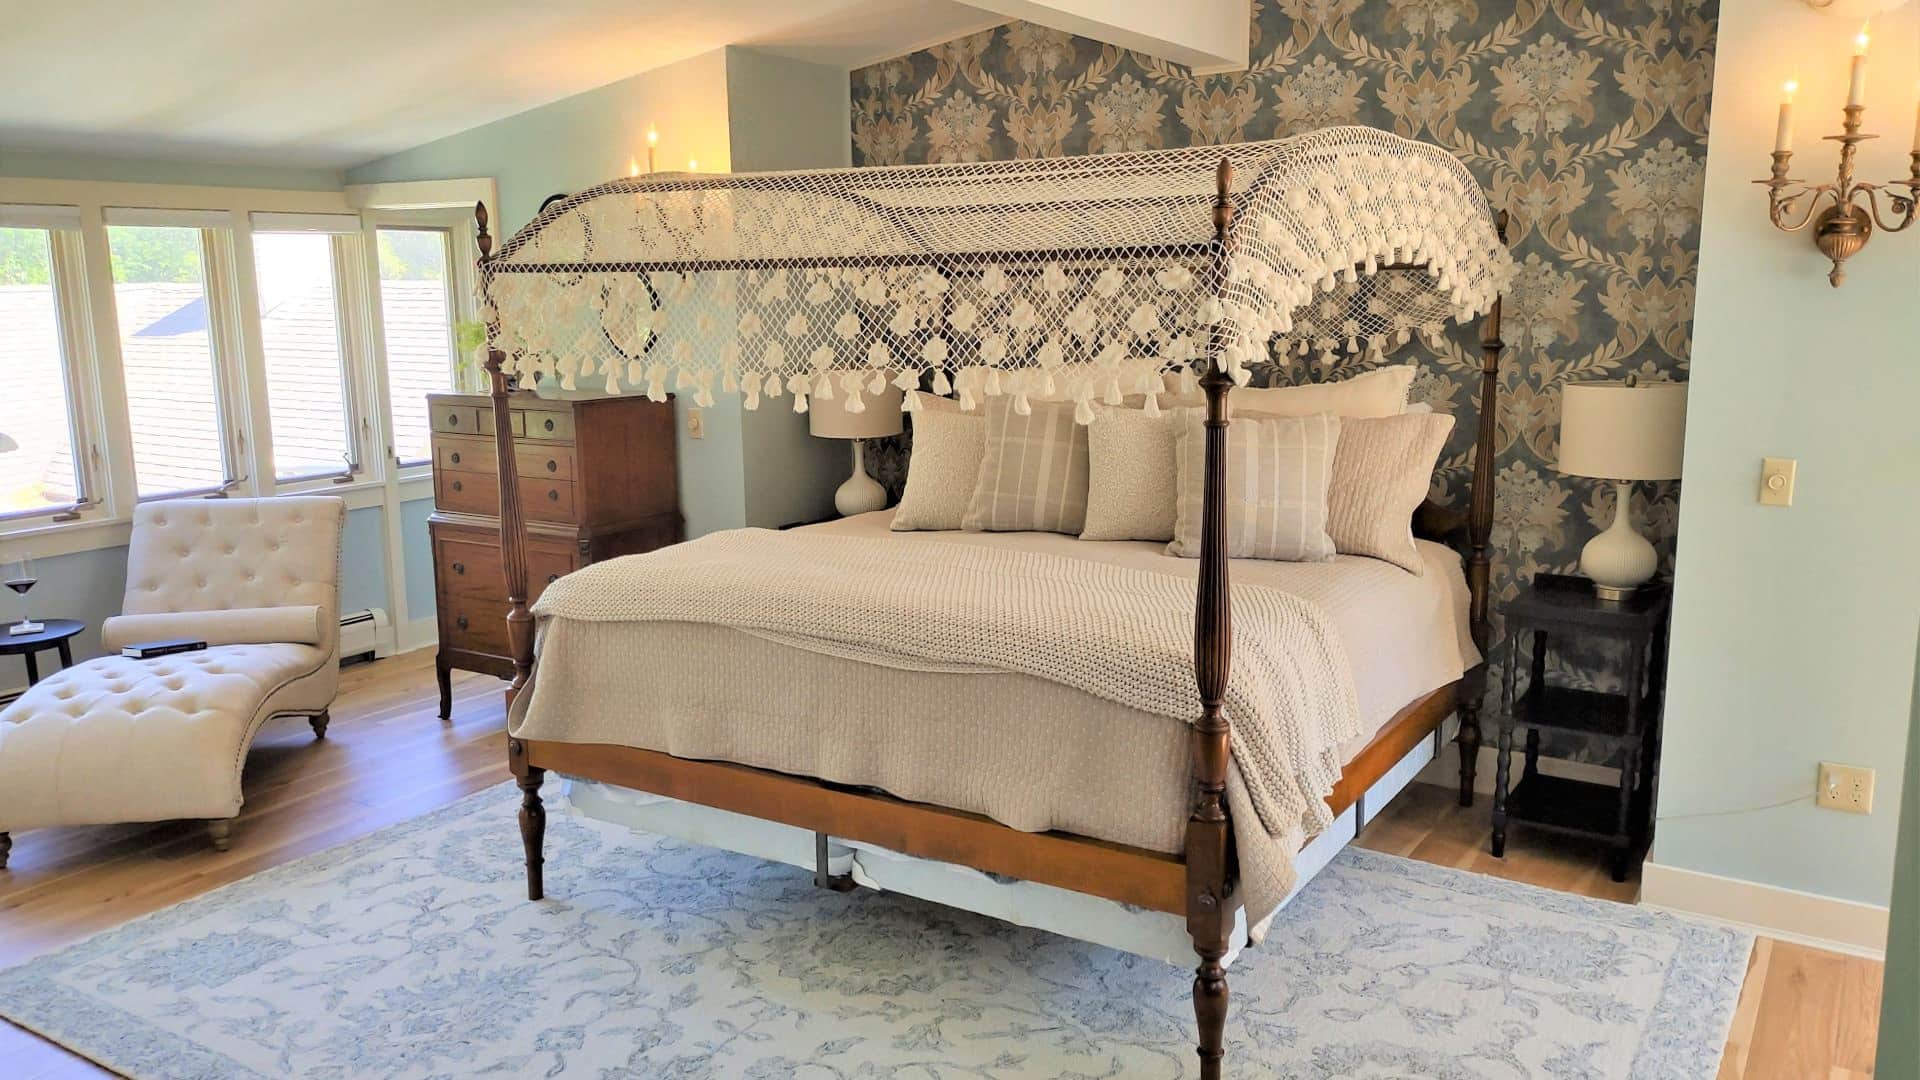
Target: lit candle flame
x,y
1862,40
633,166
653,136
693,165
1791,88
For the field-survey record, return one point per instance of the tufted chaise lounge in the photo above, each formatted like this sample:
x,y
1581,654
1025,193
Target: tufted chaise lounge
x,y
121,740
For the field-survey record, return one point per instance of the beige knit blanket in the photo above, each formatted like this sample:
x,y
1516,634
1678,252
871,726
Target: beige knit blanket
x,y
1120,634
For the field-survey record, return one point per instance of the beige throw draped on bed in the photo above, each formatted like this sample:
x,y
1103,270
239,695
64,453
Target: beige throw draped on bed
x,y
1119,634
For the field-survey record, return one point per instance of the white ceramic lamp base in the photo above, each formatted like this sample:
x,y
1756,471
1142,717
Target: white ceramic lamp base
x,y
861,494
1619,560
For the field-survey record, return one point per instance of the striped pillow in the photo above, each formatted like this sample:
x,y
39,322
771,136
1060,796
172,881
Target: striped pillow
x,y
1278,469
1033,475
1381,472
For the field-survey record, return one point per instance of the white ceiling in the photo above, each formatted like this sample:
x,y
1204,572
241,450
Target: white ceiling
x,y
327,85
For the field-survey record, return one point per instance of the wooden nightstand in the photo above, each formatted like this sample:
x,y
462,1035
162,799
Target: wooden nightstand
x,y
1558,605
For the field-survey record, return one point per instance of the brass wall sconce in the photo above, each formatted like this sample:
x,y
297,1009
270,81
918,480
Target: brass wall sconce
x,y
1845,213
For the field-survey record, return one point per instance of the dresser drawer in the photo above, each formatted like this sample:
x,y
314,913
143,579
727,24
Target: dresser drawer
x,y
468,492
544,462
516,419
457,453
546,500
546,566
474,624
545,424
470,568
456,419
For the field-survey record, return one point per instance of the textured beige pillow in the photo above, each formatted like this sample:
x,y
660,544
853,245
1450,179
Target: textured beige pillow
x,y
941,471
1278,469
1131,487
1381,471
1380,392
1033,474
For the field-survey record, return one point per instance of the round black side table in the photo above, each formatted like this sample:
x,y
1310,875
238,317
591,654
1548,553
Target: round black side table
x,y
55,635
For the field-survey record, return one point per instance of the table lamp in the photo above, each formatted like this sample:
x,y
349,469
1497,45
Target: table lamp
x,y
881,417
1621,431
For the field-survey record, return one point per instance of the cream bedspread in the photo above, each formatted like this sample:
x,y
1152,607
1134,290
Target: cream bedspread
x,y
1040,754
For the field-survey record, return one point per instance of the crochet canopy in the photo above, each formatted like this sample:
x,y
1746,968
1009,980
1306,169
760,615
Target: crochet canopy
x,y
1078,278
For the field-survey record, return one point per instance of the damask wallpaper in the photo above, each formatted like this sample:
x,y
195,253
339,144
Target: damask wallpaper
x,y
1585,119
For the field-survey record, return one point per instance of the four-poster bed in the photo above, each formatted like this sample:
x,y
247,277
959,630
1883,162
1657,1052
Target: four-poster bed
x,y
1082,279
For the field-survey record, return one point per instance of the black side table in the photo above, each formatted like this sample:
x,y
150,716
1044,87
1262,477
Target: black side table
x,y
1558,605
56,634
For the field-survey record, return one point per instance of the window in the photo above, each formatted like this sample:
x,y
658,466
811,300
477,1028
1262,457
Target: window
x,y
305,363
167,354
416,308
40,471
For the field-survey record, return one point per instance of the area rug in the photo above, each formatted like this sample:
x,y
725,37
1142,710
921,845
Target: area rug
x,y
414,953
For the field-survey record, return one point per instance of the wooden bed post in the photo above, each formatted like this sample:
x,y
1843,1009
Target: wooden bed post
x,y
1480,534
513,557
1209,832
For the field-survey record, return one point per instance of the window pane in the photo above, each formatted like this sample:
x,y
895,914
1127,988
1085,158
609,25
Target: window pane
x,y
34,416
300,333
416,309
160,297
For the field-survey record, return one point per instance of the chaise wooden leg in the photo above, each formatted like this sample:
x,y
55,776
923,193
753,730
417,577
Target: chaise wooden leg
x,y
6,846
533,815
221,831
319,721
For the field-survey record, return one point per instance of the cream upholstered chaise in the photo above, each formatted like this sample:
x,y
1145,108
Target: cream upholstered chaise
x,y
122,740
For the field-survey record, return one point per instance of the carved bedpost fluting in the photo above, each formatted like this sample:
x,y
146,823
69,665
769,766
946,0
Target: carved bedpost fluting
x,y
513,558
1209,918
1480,534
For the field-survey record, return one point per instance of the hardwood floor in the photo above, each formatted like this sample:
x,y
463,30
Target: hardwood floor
x,y
1803,1012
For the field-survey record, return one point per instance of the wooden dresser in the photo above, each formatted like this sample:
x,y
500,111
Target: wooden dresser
x,y
597,479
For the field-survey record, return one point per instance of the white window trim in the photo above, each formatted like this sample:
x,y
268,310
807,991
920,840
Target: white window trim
x,y
67,274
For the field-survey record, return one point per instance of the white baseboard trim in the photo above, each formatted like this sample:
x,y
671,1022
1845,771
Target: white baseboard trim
x,y
1844,926
417,634
1445,768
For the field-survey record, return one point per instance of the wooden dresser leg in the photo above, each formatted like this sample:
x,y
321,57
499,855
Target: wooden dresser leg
x,y
6,847
533,828
445,675
220,830
319,723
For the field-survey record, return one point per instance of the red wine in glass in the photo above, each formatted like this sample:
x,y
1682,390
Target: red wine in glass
x,y
21,584
20,577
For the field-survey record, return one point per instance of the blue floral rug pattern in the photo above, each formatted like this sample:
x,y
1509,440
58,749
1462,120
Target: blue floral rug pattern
x,y
414,953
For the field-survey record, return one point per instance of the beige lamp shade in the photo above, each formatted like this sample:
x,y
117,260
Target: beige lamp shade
x,y
1617,431
831,420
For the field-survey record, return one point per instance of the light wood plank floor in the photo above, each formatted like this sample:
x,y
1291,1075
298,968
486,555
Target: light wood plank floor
x,y
1803,1012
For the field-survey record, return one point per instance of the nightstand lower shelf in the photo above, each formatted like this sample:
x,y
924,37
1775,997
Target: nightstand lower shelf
x,y
1567,806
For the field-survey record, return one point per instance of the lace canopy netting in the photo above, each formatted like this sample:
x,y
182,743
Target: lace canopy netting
x,y
1081,278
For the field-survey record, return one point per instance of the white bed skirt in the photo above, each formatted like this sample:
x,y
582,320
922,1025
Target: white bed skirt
x,y
1154,934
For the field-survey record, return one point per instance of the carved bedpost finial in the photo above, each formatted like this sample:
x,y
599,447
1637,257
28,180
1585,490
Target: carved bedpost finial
x,y
485,240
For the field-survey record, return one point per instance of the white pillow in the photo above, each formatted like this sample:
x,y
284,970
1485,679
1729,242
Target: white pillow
x,y
1131,487
947,447
1278,470
1381,472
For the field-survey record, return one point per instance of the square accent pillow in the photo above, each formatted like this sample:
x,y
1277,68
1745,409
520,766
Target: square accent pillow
x,y
947,446
1382,468
1278,470
1131,487
1033,474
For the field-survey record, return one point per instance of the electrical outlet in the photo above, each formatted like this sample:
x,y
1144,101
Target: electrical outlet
x,y
696,425
1847,788
1776,481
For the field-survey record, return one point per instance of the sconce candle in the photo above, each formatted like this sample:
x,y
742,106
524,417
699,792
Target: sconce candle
x,y
653,143
1857,80
1783,134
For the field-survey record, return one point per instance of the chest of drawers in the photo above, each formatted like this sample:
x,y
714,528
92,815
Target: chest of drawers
x,y
596,479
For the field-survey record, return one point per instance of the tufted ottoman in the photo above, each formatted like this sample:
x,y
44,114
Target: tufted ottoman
x,y
123,740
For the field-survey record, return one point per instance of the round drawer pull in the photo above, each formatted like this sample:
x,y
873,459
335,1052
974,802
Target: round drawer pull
x,y
549,423
553,494
456,485
461,622
552,465
453,419
551,578
456,457
459,568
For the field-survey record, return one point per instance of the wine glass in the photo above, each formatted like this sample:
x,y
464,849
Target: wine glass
x,y
20,578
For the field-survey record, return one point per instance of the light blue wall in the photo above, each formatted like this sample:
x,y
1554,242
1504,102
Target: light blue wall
x,y
58,166
1793,628
363,560
87,586
416,549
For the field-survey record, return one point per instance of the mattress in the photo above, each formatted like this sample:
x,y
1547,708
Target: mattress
x,y
1029,753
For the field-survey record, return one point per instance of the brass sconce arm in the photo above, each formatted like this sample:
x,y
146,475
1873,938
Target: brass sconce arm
x,y
1843,214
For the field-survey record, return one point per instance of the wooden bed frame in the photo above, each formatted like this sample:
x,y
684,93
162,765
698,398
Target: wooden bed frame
x,y
1202,884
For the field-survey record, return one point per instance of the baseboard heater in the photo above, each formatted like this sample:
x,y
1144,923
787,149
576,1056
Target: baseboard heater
x,y
366,634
